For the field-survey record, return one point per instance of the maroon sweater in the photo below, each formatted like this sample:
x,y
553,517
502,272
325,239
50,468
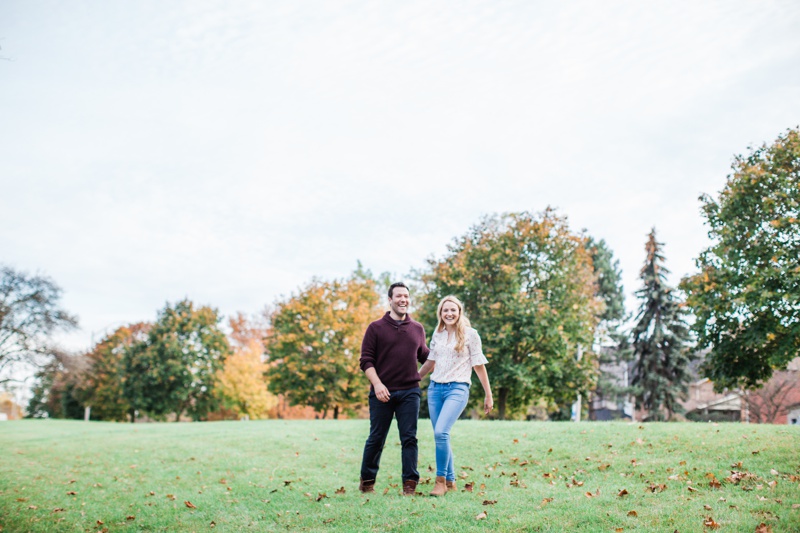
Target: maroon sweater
x,y
393,349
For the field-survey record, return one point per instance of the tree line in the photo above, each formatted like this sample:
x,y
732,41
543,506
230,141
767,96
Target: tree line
x,y
546,299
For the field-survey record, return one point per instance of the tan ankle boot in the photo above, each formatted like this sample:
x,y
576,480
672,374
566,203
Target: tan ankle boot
x,y
451,485
439,489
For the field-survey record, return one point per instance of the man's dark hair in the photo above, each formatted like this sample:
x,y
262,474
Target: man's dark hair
x,y
395,285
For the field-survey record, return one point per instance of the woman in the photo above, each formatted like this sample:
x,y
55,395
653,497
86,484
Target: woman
x,y
455,351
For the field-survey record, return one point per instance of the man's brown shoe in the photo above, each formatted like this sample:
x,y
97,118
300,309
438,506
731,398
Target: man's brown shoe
x,y
451,485
439,489
409,487
367,486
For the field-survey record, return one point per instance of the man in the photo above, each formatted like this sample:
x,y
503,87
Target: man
x,y
391,348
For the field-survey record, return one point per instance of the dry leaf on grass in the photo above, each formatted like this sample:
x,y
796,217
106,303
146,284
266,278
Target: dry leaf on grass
x,y
59,510
33,507
321,495
130,517
545,501
710,523
707,507
763,528
633,513
72,493
623,492
469,486
489,502
340,490
482,515
189,504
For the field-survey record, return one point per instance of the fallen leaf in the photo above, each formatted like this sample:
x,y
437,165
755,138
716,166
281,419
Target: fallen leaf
x,y
633,513
774,472
100,522
481,516
152,493
660,487
710,523
796,506
755,452
545,501
603,467
212,524
321,495
386,491
623,492
619,530
328,520
707,507
763,528
714,484
483,486
589,495
34,507
469,486
130,517
189,504
772,484
72,493
340,490
691,489
516,441
170,497
307,494
489,502
59,510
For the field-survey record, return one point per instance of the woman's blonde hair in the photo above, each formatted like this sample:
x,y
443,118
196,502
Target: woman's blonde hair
x,y
461,325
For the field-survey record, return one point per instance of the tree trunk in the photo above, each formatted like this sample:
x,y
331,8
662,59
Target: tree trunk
x,y
336,412
501,403
132,414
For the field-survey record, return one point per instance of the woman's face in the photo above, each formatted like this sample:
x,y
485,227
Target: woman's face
x,y
450,313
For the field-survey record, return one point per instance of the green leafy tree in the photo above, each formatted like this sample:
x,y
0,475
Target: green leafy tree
x,y
660,340
29,315
746,295
174,369
529,289
101,384
314,343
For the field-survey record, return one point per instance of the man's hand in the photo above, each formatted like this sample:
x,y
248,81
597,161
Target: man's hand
x,y
382,393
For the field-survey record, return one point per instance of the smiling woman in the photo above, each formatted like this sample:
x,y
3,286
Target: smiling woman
x,y
455,351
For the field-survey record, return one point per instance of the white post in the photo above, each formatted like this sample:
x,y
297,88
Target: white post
x,y
576,407
86,412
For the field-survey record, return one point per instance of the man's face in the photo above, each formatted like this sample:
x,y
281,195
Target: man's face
x,y
399,301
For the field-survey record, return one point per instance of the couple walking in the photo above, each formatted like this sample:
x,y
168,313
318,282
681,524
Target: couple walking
x,y
390,351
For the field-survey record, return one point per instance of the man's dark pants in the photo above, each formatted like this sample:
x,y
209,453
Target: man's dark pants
x,y
403,404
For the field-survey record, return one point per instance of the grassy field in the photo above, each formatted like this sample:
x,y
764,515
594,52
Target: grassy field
x,y
303,476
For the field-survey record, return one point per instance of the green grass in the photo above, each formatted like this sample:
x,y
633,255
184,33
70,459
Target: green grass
x,y
269,475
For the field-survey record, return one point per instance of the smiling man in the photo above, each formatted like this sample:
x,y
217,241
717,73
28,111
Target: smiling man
x,y
390,351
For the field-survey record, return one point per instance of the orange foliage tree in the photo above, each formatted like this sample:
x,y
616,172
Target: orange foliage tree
x,y
100,385
240,383
314,343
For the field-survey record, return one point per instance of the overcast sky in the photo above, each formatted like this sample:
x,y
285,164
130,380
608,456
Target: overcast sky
x,y
229,151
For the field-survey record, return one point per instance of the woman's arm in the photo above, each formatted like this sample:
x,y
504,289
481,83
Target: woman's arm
x,y
426,367
488,402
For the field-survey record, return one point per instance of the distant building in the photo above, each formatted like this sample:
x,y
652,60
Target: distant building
x,y
10,410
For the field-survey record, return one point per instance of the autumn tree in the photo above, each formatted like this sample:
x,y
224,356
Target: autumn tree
x,y
30,314
746,295
101,385
240,383
660,341
53,393
174,369
314,343
528,287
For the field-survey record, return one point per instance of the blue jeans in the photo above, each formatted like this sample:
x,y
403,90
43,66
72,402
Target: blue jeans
x,y
404,405
446,402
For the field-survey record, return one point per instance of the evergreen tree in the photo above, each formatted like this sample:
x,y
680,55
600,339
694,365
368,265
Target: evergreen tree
x,y
660,340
